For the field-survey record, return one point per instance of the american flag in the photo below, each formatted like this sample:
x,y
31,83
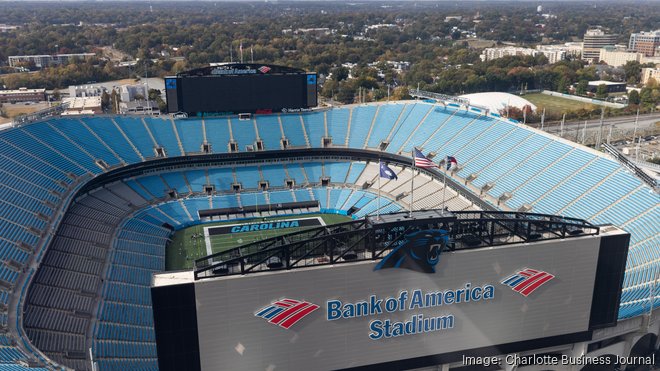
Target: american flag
x,y
421,160
286,312
527,280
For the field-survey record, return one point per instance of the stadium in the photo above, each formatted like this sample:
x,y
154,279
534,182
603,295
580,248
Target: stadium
x,y
93,207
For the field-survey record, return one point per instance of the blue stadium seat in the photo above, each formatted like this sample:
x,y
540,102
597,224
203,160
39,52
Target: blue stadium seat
x,y
269,131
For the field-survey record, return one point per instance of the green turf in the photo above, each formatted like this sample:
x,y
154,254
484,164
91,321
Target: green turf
x,y
183,250
556,105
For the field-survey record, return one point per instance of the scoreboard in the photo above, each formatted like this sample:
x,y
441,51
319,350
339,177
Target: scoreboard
x,y
240,88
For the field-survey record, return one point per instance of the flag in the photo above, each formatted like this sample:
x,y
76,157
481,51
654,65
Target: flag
x,y
386,172
451,162
421,160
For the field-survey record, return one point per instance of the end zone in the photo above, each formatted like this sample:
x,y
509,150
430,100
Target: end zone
x,y
267,225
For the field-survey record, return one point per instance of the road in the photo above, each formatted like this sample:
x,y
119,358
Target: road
x,y
620,122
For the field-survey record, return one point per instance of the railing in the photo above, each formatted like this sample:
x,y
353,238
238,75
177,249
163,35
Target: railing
x,y
39,115
631,166
448,98
369,240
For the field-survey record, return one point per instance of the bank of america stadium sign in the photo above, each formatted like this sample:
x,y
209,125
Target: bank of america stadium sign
x,y
287,312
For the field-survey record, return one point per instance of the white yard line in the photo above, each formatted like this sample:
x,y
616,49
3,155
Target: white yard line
x,y
207,240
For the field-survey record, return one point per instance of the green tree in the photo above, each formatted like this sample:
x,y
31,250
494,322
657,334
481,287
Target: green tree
x,y
632,69
581,88
346,94
340,73
105,100
601,91
562,85
633,97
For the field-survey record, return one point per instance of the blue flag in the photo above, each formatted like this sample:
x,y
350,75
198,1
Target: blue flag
x,y
386,172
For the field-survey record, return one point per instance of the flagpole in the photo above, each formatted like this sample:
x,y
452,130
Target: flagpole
x,y
378,210
444,188
412,183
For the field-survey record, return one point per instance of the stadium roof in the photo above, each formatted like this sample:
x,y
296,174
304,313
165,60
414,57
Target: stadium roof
x,y
496,101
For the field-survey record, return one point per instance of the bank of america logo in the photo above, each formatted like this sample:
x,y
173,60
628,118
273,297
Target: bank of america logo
x,y
286,312
527,280
264,69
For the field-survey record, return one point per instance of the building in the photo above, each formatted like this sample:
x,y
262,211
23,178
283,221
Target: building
x,y
129,93
593,41
82,91
7,28
552,52
612,87
645,42
41,61
650,73
617,57
82,106
490,54
139,107
571,49
22,95
453,18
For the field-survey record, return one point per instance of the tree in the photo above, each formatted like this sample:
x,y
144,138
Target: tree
x,y
114,100
346,94
581,88
632,69
562,85
105,100
340,73
601,91
633,97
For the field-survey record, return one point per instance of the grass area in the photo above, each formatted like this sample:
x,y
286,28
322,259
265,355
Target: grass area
x,y
556,105
184,249
16,109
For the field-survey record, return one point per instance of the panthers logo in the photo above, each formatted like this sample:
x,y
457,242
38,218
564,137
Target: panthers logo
x,y
420,251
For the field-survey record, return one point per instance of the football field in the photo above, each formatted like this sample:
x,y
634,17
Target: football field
x,y
197,241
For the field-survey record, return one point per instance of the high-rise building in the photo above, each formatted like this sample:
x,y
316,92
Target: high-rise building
x,y
645,42
593,41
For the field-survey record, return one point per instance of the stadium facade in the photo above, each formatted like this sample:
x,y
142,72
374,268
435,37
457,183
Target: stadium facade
x,y
88,205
